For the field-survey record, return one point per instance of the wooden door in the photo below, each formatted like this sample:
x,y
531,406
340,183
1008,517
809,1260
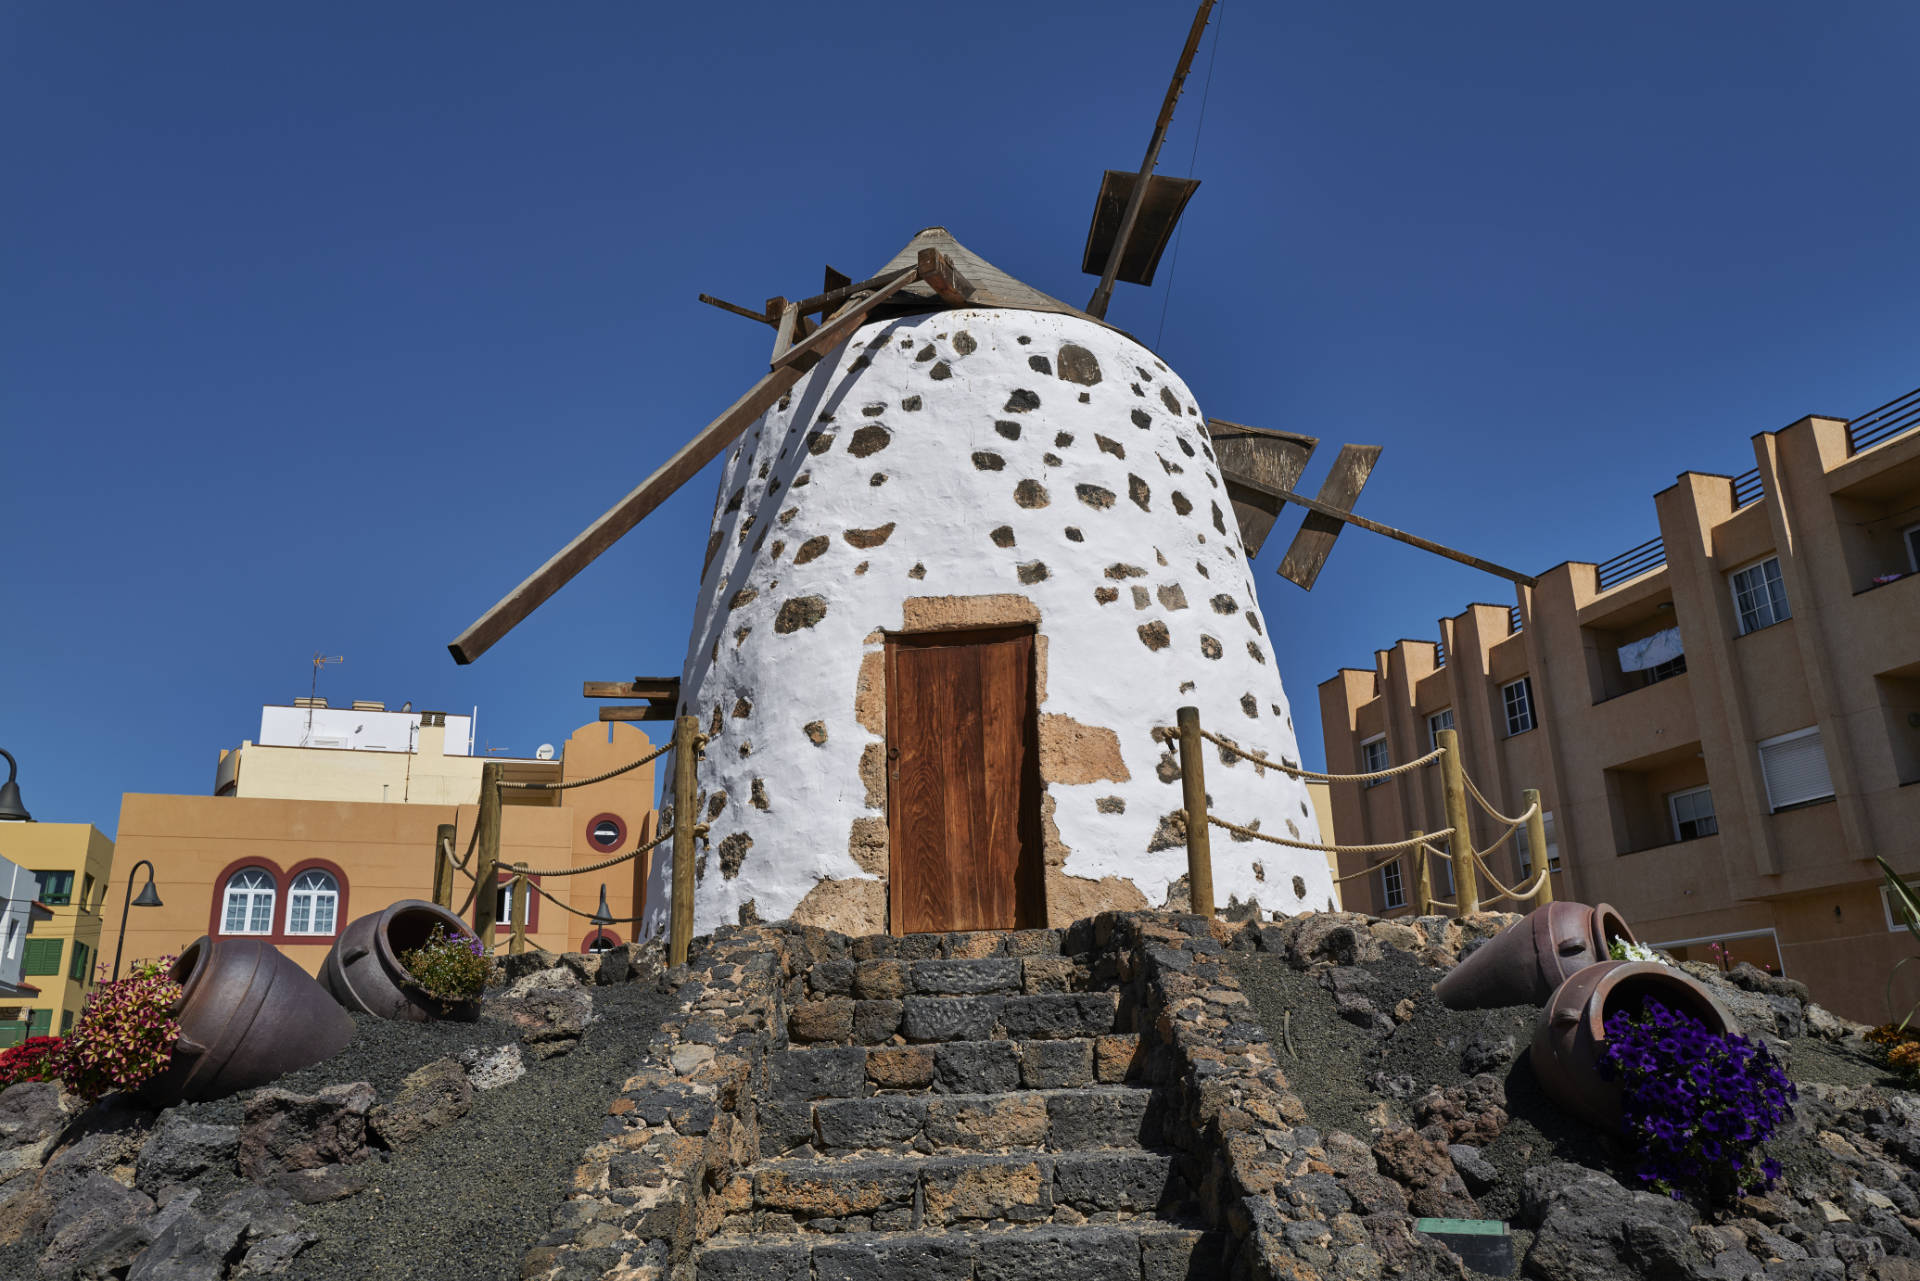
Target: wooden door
x,y
963,782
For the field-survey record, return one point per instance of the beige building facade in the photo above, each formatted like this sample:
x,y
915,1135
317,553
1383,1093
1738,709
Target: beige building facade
x,y
1724,723
60,958
300,840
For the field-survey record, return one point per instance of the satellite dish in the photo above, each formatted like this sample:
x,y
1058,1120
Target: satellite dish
x,y
544,752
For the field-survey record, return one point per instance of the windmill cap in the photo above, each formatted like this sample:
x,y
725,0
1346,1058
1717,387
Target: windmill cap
x,y
992,287
931,231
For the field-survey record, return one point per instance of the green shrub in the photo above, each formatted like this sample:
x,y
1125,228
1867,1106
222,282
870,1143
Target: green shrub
x,y
449,968
124,1035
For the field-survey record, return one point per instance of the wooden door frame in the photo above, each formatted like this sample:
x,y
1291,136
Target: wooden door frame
x,y
1035,895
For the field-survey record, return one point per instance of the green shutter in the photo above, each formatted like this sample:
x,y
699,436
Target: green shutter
x,y
78,970
41,957
39,1022
66,1022
12,1032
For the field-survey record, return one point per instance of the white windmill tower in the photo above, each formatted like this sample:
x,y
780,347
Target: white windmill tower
x,y
972,548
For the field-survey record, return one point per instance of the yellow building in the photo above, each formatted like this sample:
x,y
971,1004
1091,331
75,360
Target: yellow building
x,y
333,814
73,863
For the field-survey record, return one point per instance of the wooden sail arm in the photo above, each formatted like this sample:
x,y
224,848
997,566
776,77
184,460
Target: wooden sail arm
x,y
789,366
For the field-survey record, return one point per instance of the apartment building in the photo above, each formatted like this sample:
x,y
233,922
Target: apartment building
x,y
1723,722
70,865
332,814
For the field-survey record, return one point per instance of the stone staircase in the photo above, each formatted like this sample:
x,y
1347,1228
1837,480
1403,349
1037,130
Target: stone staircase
x,y
947,1116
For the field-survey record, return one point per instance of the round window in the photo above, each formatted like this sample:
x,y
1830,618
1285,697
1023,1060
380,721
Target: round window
x,y
606,832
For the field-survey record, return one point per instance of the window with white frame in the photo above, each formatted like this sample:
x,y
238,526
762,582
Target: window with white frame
x,y
1517,697
1443,874
1392,886
313,904
1373,758
248,904
1895,921
1795,769
1759,597
1692,814
1442,719
1552,840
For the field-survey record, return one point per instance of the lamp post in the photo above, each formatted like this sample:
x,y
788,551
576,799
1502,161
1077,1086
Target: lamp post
x,y
149,897
601,919
12,808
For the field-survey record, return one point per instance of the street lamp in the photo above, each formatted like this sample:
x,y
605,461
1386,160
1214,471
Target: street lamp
x,y
12,808
602,918
149,897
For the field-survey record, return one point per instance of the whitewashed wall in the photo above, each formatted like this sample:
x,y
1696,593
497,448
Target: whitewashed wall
x,y
975,453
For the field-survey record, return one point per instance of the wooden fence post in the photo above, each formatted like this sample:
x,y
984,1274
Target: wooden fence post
x,y
1453,791
1422,876
1537,845
1193,787
517,899
680,923
443,838
486,876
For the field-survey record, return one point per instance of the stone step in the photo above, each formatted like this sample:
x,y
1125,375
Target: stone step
x,y
1141,1250
964,945
955,1067
860,1193
1069,1120
928,1019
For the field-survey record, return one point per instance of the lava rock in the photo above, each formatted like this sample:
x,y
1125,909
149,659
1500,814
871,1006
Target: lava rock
x,y
1595,1230
178,1149
489,1069
288,1131
1475,1170
1422,1166
430,1097
92,1225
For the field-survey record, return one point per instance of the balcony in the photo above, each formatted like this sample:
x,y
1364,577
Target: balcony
x,y
1895,418
1630,564
1660,799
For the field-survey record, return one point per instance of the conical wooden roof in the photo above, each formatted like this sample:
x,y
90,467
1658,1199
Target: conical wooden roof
x,y
992,287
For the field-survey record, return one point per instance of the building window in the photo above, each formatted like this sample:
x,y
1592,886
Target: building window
x,y
1442,719
1675,666
1373,758
41,958
56,888
1912,535
1895,919
248,906
1795,769
1440,870
1759,597
313,903
1518,698
606,832
1692,812
81,955
1392,886
66,1022
86,893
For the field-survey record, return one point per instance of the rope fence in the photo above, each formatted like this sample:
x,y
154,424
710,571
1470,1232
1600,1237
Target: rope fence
x,y
1456,788
597,778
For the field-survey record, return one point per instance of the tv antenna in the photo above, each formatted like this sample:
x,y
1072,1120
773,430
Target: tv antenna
x,y
320,660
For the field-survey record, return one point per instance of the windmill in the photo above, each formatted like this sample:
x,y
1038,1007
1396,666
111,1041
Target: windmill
x,y
971,547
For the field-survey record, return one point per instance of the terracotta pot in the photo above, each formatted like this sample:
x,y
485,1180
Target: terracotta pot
x,y
1524,963
364,972
1572,1029
248,1014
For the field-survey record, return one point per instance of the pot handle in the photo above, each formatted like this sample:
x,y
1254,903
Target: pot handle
x,y
1564,1017
189,1047
354,953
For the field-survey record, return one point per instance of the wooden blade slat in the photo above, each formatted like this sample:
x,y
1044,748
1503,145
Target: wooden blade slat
x,y
651,688
650,712
1263,457
807,354
623,515
1310,547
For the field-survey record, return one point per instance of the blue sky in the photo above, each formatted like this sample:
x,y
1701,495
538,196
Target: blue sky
x,y
320,326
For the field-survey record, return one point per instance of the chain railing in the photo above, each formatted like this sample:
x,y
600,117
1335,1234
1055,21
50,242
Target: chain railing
x,y
1455,787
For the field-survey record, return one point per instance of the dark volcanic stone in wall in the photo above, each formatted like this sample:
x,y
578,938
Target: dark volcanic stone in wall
x,y
866,538
1106,595
940,371
1154,635
1219,519
816,732
1119,570
1094,496
743,706
1250,705
1224,604
1180,503
812,549
1075,536
1137,491
1210,647
1113,447
1168,399
818,442
1171,597
1011,430
1031,494
1140,597
1002,536
1022,401
1142,419
987,460
733,851
745,596
1033,572
964,344
801,611
1039,364
869,440
1077,365
1257,654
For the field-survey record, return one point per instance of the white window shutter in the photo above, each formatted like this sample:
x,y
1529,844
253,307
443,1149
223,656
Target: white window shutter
x,y
1795,768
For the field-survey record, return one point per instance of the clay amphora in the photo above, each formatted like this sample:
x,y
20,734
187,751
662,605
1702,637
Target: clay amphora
x,y
1572,1028
248,1015
363,969
1525,962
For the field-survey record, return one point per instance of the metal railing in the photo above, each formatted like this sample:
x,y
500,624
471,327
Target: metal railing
x,y
1747,488
1439,654
1894,418
1632,563
1513,620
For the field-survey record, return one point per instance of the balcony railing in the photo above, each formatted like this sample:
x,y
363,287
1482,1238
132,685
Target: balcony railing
x,y
1894,418
1747,488
1645,558
1513,620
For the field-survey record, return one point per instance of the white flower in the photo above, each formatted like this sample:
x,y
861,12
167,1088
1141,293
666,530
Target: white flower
x,y
1621,950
